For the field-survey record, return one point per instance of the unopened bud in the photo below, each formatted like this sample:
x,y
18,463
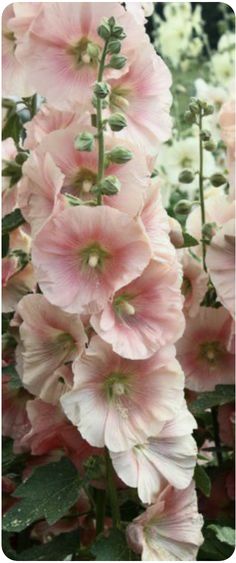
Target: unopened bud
x,y
101,89
118,32
208,230
183,207
120,155
189,117
117,121
117,61
205,135
208,110
217,180
186,177
114,47
110,185
209,146
84,142
193,107
104,30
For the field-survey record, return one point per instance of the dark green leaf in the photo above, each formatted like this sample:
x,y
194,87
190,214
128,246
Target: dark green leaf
x,y
223,533
11,463
5,245
55,550
189,240
48,493
222,394
202,480
12,221
12,128
113,548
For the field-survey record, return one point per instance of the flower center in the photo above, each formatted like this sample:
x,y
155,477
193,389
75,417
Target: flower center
x,y
82,183
65,341
186,286
84,52
94,256
122,305
212,351
186,162
119,98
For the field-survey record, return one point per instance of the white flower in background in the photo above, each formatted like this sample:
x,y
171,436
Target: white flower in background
x,y
173,9
216,96
172,159
226,42
195,47
223,61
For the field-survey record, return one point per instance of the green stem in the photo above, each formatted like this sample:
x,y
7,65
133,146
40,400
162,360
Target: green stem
x,y
201,189
100,135
100,510
115,510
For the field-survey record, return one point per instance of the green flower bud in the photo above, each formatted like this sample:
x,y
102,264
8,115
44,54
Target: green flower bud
x,y
117,121
21,157
117,61
104,30
114,46
110,185
186,177
205,135
190,117
183,207
111,21
209,146
93,50
194,107
208,110
120,155
208,230
217,180
118,32
84,142
101,89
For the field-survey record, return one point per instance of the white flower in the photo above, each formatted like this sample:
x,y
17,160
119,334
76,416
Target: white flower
x,y
223,66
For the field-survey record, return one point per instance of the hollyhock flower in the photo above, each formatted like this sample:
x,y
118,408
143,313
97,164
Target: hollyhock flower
x,y
194,285
46,120
140,10
169,530
24,14
63,65
16,282
9,191
79,264
14,74
15,421
169,457
226,421
143,94
39,190
134,398
50,338
202,351
220,260
144,315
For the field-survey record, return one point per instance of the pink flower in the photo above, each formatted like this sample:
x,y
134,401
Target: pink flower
x,y
15,421
170,530
39,190
144,315
9,192
220,260
57,53
218,210
140,10
47,119
80,265
16,282
50,338
202,351
134,399
227,124
169,457
143,94
194,285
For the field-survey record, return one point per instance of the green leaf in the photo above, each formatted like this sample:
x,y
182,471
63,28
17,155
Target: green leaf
x,y
55,550
11,463
12,221
222,394
113,548
5,245
189,240
223,533
202,480
48,493
12,128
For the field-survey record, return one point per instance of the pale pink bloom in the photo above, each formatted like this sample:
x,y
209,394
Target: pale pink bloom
x,y
194,285
202,351
156,223
16,282
24,14
169,530
144,315
46,120
15,421
169,457
227,124
79,172
226,421
143,94
134,399
9,193
15,80
176,234
56,52
218,210
140,10
220,260
50,338
39,190
84,254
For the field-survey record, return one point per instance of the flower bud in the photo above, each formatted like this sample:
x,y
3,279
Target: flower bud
x,y
186,177
93,50
104,30
208,110
120,155
217,180
114,46
118,32
193,107
84,142
189,117
111,21
110,185
205,135
209,146
117,61
101,89
208,230
117,121
183,207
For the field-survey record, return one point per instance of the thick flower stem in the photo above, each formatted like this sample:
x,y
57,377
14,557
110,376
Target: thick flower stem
x,y
100,134
201,189
112,492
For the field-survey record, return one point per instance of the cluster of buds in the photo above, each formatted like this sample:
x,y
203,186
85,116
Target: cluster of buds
x,y
197,108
